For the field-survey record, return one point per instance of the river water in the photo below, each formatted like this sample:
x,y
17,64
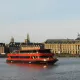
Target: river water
x,y
64,69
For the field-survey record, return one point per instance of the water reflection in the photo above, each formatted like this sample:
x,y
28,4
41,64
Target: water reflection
x,y
64,69
34,66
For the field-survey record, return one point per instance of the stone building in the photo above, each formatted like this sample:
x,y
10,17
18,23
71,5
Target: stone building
x,y
14,46
67,46
25,46
27,40
2,48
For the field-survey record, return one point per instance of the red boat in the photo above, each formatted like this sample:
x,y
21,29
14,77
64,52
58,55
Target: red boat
x,y
31,56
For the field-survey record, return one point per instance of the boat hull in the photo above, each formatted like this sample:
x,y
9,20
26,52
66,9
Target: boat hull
x,y
38,62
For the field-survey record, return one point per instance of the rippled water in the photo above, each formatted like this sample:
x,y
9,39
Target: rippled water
x,y
64,69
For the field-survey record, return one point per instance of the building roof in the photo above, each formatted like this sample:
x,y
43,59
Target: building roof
x,y
14,44
31,44
61,41
2,44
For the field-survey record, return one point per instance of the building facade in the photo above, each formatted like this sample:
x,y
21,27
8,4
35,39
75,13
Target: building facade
x,y
14,46
2,48
34,46
67,46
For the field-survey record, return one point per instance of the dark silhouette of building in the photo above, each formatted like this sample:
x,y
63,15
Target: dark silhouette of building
x,y
12,40
14,46
27,40
78,37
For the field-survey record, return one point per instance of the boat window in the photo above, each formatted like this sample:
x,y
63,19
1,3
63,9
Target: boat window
x,y
33,57
51,56
44,51
14,56
24,56
7,56
20,56
28,51
43,56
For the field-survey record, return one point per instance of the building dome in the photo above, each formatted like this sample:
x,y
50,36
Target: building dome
x,y
12,40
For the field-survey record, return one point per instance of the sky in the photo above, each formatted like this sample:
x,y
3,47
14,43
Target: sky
x,y
41,19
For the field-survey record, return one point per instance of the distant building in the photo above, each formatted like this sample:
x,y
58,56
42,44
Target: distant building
x,y
23,45
28,46
27,40
2,48
12,40
14,46
6,48
68,46
78,38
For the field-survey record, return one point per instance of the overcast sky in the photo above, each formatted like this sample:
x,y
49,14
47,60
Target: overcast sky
x,y
42,19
